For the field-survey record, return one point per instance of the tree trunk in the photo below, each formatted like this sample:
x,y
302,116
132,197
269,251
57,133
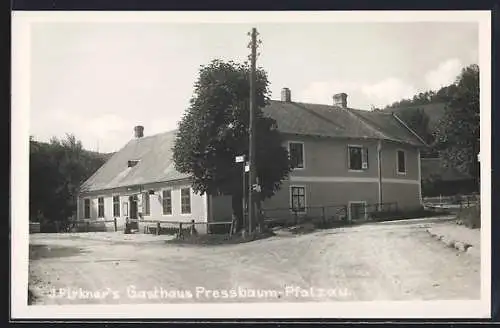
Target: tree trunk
x,y
237,206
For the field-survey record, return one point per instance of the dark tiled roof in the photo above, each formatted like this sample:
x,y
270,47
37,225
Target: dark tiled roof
x,y
156,164
155,152
434,167
330,121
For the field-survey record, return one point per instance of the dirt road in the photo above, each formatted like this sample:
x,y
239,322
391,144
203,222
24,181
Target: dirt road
x,y
387,261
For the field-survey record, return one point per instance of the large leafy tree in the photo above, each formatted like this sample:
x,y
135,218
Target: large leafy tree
x,y
57,169
457,135
214,130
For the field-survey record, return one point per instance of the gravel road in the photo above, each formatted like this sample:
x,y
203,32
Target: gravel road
x,y
390,261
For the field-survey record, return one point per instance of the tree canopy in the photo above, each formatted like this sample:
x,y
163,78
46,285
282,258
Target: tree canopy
x,y
214,130
457,135
57,169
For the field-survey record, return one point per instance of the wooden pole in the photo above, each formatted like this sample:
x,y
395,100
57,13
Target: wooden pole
x,y
251,173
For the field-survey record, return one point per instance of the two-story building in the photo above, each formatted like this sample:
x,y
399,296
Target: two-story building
x,y
342,156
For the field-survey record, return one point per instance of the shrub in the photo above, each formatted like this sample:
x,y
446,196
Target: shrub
x,y
471,217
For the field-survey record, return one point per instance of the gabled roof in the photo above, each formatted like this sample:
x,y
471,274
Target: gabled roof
x,y
155,164
331,121
155,152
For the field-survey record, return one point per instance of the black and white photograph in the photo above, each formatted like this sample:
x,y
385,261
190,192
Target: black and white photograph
x,y
251,165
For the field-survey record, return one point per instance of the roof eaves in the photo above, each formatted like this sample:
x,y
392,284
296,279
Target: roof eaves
x,y
409,129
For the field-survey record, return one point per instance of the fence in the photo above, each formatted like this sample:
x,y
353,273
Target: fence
x,y
329,215
452,203
180,228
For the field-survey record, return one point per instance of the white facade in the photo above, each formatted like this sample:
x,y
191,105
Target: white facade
x,y
198,205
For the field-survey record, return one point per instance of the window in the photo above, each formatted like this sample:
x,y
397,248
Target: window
x,y
298,195
296,151
357,211
185,201
401,162
86,208
100,207
146,204
357,158
167,202
116,206
132,162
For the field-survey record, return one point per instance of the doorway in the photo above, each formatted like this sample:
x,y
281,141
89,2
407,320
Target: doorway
x,y
133,212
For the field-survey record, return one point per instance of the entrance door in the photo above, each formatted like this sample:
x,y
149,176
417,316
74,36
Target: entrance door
x,y
133,211
357,211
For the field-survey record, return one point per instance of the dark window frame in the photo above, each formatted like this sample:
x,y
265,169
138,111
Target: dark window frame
x,y
400,152
100,207
300,161
167,207
146,204
86,208
185,207
362,157
299,193
116,206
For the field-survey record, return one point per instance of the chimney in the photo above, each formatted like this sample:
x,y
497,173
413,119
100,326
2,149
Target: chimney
x,y
139,131
286,95
340,99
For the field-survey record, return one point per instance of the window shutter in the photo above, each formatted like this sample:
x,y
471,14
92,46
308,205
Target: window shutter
x,y
364,157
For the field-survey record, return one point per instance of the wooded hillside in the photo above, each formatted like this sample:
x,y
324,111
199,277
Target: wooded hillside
x,y
57,169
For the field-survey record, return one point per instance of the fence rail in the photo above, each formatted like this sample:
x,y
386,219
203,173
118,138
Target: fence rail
x,y
451,203
150,226
327,215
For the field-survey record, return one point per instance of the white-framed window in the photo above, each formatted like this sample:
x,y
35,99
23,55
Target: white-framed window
x,y
116,206
146,204
86,208
100,207
357,158
298,199
357,210
296,151
185,200
401,161
167,202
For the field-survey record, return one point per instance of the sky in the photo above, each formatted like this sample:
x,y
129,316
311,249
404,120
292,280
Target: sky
x,y
98,80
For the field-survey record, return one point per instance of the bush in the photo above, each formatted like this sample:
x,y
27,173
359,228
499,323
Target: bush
x,y
470,217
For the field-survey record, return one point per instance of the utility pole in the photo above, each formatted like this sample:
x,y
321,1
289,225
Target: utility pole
x,y
251,157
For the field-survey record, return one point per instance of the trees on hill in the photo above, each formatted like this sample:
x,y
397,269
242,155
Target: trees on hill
x,y
57,169
457,135
214,130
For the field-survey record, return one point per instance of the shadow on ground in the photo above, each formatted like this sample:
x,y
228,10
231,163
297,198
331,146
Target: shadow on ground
x,y
217,240
47,251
